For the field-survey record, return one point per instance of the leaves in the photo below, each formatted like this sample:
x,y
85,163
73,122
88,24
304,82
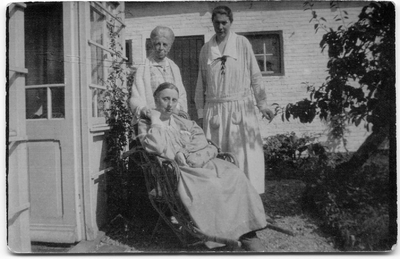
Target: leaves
x,y
361,81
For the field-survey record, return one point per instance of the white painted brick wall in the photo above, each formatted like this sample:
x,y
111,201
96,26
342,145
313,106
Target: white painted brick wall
x,y
303,59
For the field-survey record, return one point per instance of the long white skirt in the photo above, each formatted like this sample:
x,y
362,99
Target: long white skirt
x,y
220,200
234,127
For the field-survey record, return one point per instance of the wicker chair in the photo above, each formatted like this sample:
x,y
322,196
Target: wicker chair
x,y
161,178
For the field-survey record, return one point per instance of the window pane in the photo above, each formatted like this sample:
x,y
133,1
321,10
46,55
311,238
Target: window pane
x,y
44,56
97,23
98,56
258,44
272,44
57,102
36,103
94,100
100,103
98,106
261,62
128,52
96,26
148,47
273,64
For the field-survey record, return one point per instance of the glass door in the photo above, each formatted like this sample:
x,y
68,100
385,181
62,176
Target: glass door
x,y
52,170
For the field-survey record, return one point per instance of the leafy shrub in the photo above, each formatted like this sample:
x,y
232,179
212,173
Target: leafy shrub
x,y
287,155
353,205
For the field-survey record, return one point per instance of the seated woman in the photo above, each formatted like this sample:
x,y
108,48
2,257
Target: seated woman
x,y
218,196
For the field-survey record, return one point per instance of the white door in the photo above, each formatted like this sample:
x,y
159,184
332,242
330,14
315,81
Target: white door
x,y
53,164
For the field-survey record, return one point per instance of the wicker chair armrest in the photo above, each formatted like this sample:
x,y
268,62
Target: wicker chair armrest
x,y
170,170
230,157
215,145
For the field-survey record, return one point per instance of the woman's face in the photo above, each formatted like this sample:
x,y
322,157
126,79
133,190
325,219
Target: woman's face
x,y
161,47
166,102
222,25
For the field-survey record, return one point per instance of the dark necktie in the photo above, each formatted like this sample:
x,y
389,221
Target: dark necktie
x,y
223,60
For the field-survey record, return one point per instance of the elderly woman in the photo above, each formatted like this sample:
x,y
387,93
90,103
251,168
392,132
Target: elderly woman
x,y
156,69
218,196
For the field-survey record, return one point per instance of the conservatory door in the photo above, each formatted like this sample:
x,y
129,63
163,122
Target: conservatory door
x,y
52,156
185,53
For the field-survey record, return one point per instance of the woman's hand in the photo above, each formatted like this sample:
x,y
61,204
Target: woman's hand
x,y
180,159
176,110
154,114
150,113
267,113
154,117
145,112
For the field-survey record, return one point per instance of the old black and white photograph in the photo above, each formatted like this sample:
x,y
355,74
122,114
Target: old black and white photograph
x,y
200,127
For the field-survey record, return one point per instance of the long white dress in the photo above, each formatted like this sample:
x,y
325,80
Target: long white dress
x,y
217,195
224,98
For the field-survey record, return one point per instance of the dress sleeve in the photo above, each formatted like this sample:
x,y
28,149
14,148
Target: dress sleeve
x,y
137,99
201,85
153,137
256,77
199,151
198,139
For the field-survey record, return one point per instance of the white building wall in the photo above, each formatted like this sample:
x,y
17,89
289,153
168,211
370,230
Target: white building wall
x,y
303,59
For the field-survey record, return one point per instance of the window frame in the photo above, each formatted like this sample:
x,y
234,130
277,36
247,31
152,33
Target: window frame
x,y
49,87
94,88
102,8
281,52
49,103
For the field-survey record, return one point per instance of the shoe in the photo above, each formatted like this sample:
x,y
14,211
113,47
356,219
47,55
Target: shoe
x,y
250,242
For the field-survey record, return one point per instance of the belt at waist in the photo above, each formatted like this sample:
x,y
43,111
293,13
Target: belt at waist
x,y
231,98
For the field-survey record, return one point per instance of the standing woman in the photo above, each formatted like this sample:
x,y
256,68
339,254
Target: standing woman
x,y
229,78
157,69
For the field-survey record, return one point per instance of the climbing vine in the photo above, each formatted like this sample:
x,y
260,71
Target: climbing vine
x,y
118,117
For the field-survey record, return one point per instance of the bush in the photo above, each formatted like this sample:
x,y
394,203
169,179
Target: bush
x,y
287,156
353,205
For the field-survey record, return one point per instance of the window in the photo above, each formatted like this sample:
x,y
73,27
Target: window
x,y
44,58
149,47
97,32
128,52
102,19
268,49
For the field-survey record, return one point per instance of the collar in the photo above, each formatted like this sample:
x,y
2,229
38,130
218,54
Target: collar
x,y
171,122
154,63
230,48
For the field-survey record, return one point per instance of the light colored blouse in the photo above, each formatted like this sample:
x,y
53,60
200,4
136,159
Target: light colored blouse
x,y
236,78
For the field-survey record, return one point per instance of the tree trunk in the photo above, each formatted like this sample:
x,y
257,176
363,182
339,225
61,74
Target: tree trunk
x,y
370,146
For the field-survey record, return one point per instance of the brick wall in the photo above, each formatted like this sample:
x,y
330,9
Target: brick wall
x,y
303,59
